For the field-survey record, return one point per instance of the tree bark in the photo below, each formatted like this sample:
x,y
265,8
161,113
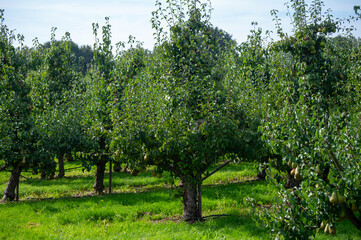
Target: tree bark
x,y
262,174
9,193
291,182
190,196
99,177
61,165
117,166
69,157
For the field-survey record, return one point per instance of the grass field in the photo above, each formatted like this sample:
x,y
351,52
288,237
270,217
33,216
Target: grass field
x,y
142,207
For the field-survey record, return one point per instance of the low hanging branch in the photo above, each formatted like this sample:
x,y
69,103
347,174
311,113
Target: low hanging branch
x,y
3,168
216,170
95,153
24,177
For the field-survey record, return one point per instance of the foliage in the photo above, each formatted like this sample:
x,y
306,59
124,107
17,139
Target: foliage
x,y
19,138
54,91
83,55
180,113
100,90
314,128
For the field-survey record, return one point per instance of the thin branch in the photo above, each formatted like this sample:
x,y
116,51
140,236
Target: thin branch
x,y
353,219
333,156
24,177
3,168
216,170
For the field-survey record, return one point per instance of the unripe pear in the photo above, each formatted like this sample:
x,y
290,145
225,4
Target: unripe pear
x,y
334,198
323,225
327,228
298,174
293,171
341,198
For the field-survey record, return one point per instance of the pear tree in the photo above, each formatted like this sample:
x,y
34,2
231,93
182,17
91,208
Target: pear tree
x,y
179,113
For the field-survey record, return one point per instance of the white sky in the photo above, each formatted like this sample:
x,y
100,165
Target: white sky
x,y
35,18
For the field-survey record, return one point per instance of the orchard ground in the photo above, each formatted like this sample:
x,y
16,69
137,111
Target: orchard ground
x,y
142,207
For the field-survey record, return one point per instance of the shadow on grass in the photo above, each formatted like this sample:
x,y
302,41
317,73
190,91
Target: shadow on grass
x,y
126,199
117,178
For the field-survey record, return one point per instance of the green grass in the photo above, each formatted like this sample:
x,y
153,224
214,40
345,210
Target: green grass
x,y
142,207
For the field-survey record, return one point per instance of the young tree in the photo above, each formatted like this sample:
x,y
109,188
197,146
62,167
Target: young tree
x,y
99,90
53,90
20,145
83,55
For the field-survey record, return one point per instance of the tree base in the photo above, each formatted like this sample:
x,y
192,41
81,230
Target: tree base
x,y
9,193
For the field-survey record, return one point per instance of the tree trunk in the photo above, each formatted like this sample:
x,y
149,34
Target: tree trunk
x,y
291,182
99,177
61,165
190,196
117,167
69,157
9,193
262,174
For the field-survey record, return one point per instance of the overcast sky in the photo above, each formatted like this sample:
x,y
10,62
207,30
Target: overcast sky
x,y
35,18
